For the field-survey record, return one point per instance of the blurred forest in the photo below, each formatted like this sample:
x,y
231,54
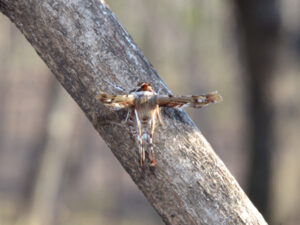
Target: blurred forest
x,y
247,50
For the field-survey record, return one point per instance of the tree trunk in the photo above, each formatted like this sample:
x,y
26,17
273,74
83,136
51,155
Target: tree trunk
x,y
259,32
88,51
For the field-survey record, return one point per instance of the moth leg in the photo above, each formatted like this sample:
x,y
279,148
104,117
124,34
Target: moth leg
x,y
129,112
152,127
140,139
127,116
157,111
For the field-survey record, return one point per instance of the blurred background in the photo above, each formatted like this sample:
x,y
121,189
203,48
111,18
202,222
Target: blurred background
x,y
247,50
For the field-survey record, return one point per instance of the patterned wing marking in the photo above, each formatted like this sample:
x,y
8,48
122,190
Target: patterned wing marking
x,y
191,101
116,101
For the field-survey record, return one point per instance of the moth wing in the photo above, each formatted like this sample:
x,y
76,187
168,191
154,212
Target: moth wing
x,y
190,101
116,101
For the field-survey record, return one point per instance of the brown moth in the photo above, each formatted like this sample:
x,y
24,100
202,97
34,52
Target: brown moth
x,y
143,102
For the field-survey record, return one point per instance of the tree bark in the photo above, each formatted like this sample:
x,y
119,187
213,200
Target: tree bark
x,y
88,51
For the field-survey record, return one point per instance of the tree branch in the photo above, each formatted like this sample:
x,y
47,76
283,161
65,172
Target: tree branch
x,y
89,51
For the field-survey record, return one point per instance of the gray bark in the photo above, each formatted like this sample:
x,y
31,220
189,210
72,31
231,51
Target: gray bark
x,y
89,51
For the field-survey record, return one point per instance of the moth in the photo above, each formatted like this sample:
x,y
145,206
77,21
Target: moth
x,y
144,104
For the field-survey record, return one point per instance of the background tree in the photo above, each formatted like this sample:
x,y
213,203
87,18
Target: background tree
x,y
258,30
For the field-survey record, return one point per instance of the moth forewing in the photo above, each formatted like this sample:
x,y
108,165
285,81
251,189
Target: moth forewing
x,y
116,101
189,100
213,97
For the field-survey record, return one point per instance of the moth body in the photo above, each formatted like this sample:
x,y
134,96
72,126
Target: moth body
x,y
144,104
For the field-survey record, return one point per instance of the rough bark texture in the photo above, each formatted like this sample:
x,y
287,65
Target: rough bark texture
x,y
88,50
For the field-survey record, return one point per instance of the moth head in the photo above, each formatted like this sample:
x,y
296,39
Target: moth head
x,y
144,87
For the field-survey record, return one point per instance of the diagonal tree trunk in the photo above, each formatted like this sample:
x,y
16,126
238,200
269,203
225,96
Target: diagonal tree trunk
x,y
88,50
